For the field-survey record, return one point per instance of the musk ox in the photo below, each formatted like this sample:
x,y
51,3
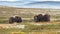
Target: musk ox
x,y
42,18
16,19
46,17
38,18
11,20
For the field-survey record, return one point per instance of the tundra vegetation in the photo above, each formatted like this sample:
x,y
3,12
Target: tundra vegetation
x,y
27,15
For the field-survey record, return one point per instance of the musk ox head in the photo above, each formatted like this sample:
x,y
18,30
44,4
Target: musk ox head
x,y
36,18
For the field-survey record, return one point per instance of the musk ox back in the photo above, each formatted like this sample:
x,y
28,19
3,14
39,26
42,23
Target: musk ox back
x,y
42,18
15,19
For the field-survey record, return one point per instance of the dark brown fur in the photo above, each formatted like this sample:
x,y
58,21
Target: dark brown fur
x,y
42,18
16,19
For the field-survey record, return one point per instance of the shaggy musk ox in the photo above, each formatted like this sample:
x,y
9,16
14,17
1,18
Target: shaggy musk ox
x,y
38,18
42,18
18,19
46,17
15,19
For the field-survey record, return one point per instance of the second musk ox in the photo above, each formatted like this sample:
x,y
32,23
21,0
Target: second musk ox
x,y
38,18
16,19
46,17
42,18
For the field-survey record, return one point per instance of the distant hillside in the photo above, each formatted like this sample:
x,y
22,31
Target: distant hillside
x,y
26,12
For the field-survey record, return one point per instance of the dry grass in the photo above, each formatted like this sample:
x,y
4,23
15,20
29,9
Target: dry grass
x,y
31,27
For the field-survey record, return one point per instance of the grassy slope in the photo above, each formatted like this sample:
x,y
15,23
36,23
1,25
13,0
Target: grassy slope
x,y
50,28
26,12
6,12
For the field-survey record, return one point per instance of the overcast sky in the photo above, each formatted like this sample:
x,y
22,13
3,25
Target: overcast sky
x,y
31,3
28,0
